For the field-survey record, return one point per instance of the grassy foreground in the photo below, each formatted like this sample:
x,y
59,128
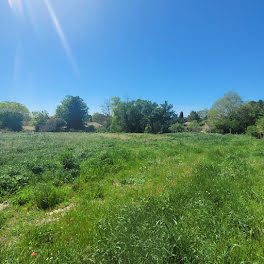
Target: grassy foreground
x,y
131,198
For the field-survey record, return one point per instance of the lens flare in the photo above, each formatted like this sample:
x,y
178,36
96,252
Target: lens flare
x,y
61,35
10,3
17,7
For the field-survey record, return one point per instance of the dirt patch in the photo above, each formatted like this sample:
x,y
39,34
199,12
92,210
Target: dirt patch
x,y
29,128
54,215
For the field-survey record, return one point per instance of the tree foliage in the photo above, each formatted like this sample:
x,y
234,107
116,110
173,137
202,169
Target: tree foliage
x,y
203,114
11,121
12,115
141,116
194,127
224,111
260,126
53,125
39,119
14,107
193,116
177,128
74,111
102,119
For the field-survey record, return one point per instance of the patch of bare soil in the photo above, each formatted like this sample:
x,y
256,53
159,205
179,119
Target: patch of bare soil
x,y
54,215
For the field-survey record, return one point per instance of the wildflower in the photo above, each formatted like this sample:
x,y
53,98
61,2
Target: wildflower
x,y
71,219
70,237
174,183
148,207
34,254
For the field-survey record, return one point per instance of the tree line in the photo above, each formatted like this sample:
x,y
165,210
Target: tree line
x,y
228,114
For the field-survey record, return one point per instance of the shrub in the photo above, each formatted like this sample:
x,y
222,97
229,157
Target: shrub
x,y
252,131
53,125
47,196
2,219
177,127
23,197
260,127
194,127
12,121
100,129
68,160
110,161
35,165
39,119
90,129
12,179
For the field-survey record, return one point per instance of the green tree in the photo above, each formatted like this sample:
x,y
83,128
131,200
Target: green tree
x,y
106,110
260,126
194,127
74,111
14,107
193,116
181,118
203,114
12,115
177,128
224,110
39,119
53,125
162,118
102,119
252,131
247,115
140,116
12,121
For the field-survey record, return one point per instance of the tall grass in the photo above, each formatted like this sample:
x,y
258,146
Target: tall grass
x,y
177,198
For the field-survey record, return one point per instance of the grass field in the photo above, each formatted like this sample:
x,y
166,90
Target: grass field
x,y
131,198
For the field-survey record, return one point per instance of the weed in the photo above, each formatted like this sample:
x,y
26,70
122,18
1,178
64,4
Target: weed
x,y
47,196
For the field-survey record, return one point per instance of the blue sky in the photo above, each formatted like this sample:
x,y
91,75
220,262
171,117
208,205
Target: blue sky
x,y
189,52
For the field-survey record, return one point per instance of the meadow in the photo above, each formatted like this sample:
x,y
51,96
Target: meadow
x,y
131,198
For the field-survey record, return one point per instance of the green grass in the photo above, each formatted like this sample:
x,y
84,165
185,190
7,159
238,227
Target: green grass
x,y
131,198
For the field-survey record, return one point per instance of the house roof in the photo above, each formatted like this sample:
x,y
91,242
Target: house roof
x,y
95,124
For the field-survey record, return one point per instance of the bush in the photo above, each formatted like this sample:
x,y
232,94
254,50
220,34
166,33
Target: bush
x,y
12,179
252,131
100,129
194,127
53,125
90,129
2,219
176,128
12,121
47,196
68,160
260,127
39,119
23,197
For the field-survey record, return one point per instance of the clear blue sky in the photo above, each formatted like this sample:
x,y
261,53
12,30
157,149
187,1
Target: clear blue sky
x,y
189,52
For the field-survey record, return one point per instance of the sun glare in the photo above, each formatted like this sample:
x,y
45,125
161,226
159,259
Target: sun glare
x,y
17,7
